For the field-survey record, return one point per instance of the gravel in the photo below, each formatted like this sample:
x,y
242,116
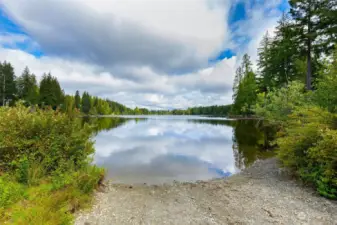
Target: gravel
x,y
262,194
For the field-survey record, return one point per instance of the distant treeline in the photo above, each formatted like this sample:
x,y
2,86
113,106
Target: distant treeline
x,y
48,93
215,110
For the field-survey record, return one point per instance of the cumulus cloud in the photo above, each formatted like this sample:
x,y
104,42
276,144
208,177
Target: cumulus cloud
x,y
150,53
170,36
160,90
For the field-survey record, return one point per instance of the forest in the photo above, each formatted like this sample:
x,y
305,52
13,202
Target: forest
x,y
293,91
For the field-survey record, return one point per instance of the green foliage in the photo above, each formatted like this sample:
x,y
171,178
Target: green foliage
x,y
215,110
27,88
275,106
10,192
308,146
86,103
51,93
48,136
68,105
326,94
278,57
245,93
307,137
47,155
7,84
22,167
314,29
77,100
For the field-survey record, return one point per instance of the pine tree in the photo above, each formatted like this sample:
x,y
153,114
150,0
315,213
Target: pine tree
x,y
279,57
246,90
266,75
51,93
8,92
86,103
27,87
315,24
237,80
77,100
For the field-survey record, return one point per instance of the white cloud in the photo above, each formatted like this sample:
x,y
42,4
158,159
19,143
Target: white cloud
x,y
168,35
159,90
147,53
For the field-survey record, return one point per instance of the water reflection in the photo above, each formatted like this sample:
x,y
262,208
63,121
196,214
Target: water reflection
x,y
159,150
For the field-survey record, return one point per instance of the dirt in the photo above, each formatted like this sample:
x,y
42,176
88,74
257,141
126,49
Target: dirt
x,y
262,194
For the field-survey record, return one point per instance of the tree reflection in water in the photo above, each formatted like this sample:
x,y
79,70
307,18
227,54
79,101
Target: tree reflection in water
x,y
251,140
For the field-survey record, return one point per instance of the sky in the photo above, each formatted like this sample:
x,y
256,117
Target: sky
x,y
157,54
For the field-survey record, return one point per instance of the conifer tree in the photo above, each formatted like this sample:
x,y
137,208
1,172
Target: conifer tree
x,y
8,92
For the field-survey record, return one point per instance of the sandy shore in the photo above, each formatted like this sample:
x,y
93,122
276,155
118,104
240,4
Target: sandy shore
x,y
262,194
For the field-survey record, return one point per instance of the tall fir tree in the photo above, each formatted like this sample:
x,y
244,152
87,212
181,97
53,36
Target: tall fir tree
x,y
265,74
315,25
51,93
246,91
77,100
27,87
279,57
86,103
8,92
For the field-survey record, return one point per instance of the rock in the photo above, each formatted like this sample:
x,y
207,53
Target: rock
x,y
301,216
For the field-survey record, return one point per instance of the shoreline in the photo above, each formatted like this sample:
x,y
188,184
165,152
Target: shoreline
x,y
260,194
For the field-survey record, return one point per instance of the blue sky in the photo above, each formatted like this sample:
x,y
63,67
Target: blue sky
x,y
134,57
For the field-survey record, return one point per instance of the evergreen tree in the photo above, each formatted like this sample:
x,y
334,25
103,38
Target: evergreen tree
x,y
246,91
27,87
86,103
266,75
279,57
77,100
237,80
8,92
51,93
315,25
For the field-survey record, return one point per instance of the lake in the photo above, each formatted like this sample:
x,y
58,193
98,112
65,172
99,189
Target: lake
x,y
163,149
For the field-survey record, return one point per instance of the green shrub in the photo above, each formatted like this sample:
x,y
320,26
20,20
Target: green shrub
x,y
47,154
309,147
89,178
49,137
276,106
10,192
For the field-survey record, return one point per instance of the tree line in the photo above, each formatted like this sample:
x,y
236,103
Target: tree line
x,y
48,93
215,110
304,41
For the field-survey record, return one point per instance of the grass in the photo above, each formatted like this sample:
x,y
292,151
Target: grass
x,y
48,203
45,168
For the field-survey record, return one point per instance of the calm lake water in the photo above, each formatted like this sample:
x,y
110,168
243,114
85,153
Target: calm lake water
x,y
161,149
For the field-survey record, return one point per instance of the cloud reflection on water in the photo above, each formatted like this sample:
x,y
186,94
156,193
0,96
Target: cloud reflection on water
x,y
157,151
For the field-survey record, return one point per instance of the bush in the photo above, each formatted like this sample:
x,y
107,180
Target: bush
x,y
309,147
10,192
47,154
51,138
276,106
307,131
